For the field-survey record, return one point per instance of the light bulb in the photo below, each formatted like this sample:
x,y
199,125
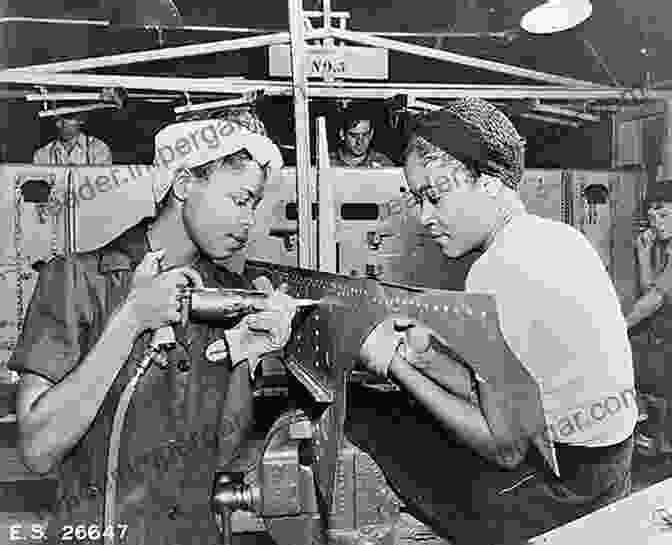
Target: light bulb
x,y
556,15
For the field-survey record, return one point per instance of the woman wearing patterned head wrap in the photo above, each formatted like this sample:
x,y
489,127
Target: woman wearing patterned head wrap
x,y
559,314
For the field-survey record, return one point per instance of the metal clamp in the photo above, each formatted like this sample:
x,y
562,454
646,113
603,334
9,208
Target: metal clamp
x,y
228,495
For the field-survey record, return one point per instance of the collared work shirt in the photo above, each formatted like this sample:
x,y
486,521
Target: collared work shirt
x,y
183,423
373,159
87,150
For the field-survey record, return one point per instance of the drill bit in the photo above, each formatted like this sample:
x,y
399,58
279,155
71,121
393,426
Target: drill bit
x,y
326,301
306,302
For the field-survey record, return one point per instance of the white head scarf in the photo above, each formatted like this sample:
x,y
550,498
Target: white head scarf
x,y
194,143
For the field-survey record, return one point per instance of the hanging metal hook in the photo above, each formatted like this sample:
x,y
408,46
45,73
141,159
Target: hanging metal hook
x,y
160,33
43,91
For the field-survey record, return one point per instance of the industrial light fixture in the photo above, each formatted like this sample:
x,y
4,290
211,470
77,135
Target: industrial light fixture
x,y
250,96
556,15
69,110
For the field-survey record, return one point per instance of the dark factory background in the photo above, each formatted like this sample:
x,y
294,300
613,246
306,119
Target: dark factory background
x,y
624,43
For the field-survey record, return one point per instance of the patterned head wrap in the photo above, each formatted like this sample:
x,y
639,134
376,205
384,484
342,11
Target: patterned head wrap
x,y
477,133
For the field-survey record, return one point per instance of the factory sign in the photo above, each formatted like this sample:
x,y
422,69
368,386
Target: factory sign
x,y
335,62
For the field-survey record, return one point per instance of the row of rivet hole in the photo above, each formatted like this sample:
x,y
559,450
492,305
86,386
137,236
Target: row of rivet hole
x,y
343,290
407,302
458,309
316,340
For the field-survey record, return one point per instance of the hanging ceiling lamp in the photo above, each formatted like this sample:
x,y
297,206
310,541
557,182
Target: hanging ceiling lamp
x,y
556,15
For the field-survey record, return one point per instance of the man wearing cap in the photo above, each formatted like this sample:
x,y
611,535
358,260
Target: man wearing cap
x,y
89,324
650,318
560,316
73,147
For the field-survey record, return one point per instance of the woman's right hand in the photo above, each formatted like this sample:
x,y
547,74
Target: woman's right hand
x,y
154,298
645,241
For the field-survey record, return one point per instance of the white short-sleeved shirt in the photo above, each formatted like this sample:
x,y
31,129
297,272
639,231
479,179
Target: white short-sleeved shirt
x,y
561,317
87,150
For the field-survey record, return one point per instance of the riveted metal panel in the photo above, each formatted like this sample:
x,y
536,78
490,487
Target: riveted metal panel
x,y
326,349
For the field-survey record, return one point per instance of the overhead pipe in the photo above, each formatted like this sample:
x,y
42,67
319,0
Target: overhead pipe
x,y
167,53
474,62
506,34
556,110
249,98
334,90
67,110
79,97
189,28
551,120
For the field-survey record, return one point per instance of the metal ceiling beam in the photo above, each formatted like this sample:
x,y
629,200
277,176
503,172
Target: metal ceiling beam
x,y
66,110
283,37
215,105
431,53
550,120
485,92
83,97
44,20
180,85
492,92
564,112
106,24
323,90
165,53
247,30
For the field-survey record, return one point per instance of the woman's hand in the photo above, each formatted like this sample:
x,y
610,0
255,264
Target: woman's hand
x,y
417,340
404,336
644,242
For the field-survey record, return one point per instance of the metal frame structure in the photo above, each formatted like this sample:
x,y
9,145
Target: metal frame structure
x,y
63,74
555,87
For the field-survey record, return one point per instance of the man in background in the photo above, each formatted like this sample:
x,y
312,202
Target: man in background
x,y
73,146
355,136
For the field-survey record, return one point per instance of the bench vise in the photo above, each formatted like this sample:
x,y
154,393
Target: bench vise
x,y
282,491
310,486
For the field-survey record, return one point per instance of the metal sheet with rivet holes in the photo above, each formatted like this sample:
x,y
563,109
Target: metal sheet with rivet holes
x,y
326,341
